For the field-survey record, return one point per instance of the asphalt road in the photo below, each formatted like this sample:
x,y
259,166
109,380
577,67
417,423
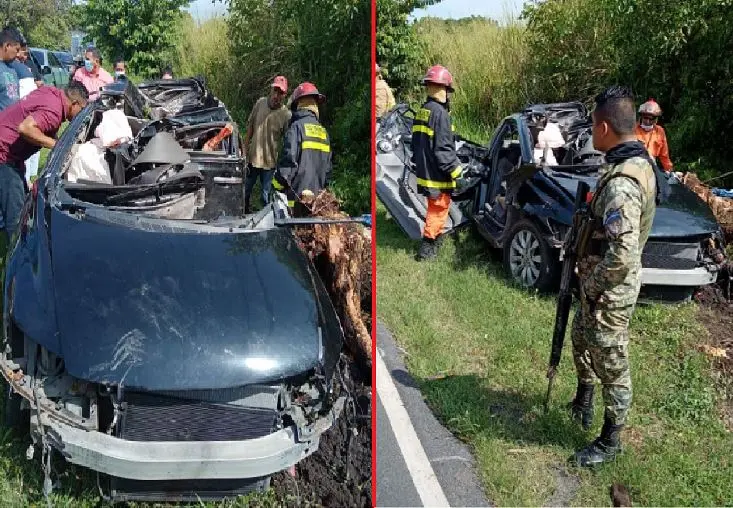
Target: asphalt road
x,y
419,462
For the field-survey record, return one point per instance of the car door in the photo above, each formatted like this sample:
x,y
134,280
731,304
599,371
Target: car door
x,y
396,180
42,62
60,74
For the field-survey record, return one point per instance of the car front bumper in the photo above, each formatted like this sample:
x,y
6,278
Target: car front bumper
x,y
181,460
694,277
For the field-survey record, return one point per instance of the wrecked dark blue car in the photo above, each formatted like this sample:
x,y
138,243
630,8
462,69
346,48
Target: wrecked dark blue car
x,y
154,333
521,200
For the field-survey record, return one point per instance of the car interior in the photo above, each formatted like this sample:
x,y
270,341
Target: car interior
x,y
159,166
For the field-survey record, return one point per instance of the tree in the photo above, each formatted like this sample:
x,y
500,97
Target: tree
x,y
143,32
676,52
44,23
398,47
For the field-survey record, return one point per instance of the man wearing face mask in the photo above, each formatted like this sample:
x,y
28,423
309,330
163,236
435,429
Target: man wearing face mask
x,y
25,127
434,154
120,70
10,41
266,127
653,135
92,75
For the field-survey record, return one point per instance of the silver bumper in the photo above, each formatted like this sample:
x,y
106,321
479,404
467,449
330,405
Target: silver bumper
x,y
182,460
690,278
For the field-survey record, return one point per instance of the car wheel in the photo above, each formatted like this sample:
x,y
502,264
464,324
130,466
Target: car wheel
x,y
528,258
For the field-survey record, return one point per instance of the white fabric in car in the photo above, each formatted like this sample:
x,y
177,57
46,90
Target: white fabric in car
x,y
88,163
114,128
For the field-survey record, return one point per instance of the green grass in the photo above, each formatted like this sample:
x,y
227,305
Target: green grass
x,y
479,347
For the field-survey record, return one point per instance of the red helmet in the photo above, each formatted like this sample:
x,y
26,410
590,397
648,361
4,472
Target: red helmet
x,y
439,75
306,90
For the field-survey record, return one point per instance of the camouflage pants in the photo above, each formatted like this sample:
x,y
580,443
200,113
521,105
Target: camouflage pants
x,y
600,339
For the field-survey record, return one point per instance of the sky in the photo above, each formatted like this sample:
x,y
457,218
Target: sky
x,y
464,8
204,9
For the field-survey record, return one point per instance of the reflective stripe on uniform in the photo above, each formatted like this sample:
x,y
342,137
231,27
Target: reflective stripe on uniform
x,y
313,130
456,172
277,185
435,184
291,203
424,129
315,145
423,115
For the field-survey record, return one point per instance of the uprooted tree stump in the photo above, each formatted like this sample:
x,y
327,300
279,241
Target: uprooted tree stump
x,y
342,255
721,207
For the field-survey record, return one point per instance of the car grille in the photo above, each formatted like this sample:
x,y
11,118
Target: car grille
x,y
670,255
152,417
185,491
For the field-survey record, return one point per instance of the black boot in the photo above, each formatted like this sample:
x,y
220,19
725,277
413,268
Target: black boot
x,y
439,242
427,250
581,408
603,449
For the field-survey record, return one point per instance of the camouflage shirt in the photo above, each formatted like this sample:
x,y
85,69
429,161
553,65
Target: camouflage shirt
x,y
623,208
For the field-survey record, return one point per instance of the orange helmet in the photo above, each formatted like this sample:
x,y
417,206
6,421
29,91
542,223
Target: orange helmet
x,y
439,75
650,107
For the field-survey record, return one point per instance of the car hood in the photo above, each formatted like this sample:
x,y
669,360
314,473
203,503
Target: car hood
x,y
681,212
159,309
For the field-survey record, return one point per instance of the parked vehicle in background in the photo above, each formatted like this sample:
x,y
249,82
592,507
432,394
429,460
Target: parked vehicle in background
x,y
66,59
524,206
54,71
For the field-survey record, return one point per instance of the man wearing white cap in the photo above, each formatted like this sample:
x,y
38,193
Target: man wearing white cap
x,y
266,127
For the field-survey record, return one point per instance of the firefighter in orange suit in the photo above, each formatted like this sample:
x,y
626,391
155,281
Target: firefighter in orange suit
x,y
653,135
434,156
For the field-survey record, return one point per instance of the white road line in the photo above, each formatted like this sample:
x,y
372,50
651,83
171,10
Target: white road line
x,y
423,476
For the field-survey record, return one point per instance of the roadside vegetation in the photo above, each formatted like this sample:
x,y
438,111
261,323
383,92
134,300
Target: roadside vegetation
x,y
477,345
478,348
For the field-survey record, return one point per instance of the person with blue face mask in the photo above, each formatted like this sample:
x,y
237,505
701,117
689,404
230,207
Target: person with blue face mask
x,y
120,69
92,75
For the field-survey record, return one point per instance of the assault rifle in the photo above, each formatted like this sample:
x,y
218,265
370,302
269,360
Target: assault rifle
x,y
568,256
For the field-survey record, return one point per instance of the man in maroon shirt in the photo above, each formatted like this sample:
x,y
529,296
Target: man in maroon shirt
x,y
25,127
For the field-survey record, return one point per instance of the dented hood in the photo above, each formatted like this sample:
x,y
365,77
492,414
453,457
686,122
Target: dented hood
x,y
162,309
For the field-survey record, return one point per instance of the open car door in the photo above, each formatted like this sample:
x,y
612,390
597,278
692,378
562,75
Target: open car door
x,y
396,180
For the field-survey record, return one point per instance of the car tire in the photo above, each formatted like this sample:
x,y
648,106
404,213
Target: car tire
x,y
529,261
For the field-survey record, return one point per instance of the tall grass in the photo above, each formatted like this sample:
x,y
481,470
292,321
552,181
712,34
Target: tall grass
x,y
205,50
487,62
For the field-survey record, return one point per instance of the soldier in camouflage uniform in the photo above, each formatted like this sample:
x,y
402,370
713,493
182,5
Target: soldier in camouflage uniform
x,y
609,271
